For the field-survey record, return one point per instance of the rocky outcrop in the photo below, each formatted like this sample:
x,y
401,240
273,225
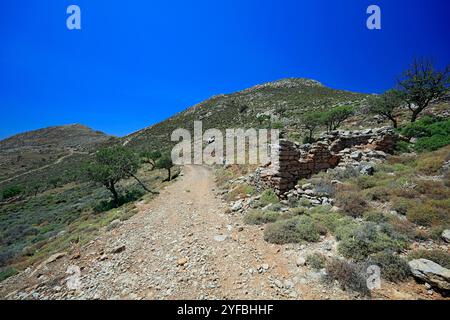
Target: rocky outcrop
x,y
431,272
446,235
336,148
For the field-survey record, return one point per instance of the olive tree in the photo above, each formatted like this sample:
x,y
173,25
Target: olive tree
x,y
151,157
386,105
422,84
310,122
165,162
334,117
110,166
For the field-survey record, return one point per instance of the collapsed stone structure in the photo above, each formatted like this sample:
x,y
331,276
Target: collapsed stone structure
x,y
302,161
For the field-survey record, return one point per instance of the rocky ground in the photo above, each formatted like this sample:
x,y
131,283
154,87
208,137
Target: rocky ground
x,y
183,245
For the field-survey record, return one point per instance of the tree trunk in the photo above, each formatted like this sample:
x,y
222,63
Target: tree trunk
x,y
394,122
168,170
113,190
140,182
414,115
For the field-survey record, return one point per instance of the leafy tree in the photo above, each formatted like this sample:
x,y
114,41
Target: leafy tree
x,y
335,116
151,157
112,165
165,162
386,105
12,192
311,121
422,84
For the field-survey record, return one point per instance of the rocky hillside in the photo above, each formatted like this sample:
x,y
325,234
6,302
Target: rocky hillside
x,y
34,149
276,104
69,136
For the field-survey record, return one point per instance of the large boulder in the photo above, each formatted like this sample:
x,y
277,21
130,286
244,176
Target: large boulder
x,y
446,235
431,272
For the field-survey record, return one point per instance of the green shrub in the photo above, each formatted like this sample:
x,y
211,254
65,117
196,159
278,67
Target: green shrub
x,y
432,143
297,229
438,256
400,205
432,134
420,128
316,260
11,192
379,193
402,146
367,239
298,211
375,216
351,203
430,213
366,182
393,268
7,272
351,276
328,219
268,197
260,217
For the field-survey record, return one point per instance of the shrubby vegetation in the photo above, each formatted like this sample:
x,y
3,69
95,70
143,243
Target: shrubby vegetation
x,y
351,276
431,134
297,229
260,217
438,256
10,192
316,260
367,239
393,268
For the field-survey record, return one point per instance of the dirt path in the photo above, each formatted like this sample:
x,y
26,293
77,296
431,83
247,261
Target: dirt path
x,y
181,245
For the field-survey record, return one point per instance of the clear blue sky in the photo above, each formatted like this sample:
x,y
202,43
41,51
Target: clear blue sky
x,y
137,62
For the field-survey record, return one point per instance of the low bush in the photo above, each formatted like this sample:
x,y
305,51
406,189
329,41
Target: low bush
x,y
260,217
316,260
297,229
11,192
328,219
6,273
239,192
430,213
350,276
366,182
438,256
402,146
400,205
432,143
367,239
381,194
268,197
429,165
351,203
375,216
432,189
393,268
432,133
298,211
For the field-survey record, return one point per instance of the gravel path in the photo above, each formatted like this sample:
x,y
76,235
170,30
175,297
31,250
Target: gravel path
x,y
181,245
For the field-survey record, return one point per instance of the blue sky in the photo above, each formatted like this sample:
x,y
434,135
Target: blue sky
x,y
137,62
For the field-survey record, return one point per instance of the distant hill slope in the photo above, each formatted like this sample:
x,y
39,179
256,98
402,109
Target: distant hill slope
x,y
276,104
30,150
69,136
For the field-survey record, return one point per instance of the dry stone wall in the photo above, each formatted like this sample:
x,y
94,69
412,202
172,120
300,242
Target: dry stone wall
x,y
302,161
